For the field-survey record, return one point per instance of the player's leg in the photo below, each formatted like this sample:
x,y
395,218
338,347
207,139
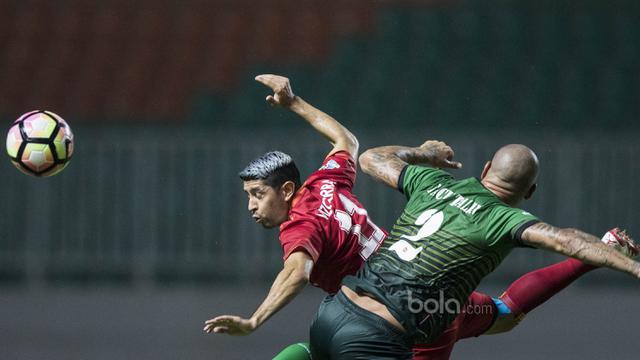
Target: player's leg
x,y
298,351
536,287
485,315
481,313
441,348
323,327
477,316
342,330
533,289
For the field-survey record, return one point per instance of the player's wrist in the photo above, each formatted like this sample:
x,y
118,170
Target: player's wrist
x,y
254,323
296,104
414,155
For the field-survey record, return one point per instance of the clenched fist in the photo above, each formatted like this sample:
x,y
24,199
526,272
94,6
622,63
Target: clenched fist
x,y
439,154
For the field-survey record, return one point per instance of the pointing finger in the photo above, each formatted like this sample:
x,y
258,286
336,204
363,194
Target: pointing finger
x,y
270,80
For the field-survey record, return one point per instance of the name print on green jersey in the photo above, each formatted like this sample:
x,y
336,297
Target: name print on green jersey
x,y
467,206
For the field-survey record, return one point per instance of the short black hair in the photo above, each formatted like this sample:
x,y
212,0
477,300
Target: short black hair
x,y
274,168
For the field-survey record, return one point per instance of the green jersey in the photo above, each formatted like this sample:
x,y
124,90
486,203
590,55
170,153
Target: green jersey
x,y
451,234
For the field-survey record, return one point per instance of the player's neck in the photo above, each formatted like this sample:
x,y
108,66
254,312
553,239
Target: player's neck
x,y
505,195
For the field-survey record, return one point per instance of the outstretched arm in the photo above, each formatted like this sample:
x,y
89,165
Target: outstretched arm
x,y
386,162
580,245
339,136
536,287
287,285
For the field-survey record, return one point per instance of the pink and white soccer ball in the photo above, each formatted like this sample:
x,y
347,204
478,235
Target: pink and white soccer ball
x,y
40,143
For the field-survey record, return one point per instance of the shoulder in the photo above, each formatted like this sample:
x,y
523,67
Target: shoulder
x,y
416,175
427,170
339,167
338,159
505,221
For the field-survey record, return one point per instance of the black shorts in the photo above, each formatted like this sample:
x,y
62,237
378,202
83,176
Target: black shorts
x,y
343,330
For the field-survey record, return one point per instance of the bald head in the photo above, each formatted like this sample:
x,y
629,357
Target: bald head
x,y
514,168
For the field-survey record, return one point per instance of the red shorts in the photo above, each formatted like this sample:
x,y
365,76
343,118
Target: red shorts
x,y
474,320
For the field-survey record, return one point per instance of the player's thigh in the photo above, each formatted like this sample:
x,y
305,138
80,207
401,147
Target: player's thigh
x,y
442,347
326,323
361,341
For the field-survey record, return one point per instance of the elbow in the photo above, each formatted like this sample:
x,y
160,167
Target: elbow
x,y
297,269
299,273
568,241
353,144
350,143
300,277
365,161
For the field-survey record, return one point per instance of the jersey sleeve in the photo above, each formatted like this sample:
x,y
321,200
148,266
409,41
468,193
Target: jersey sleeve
x,y
508,224
417,178
301,235
339,167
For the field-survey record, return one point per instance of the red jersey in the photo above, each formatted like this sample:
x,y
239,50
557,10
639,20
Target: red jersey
x,y
329,223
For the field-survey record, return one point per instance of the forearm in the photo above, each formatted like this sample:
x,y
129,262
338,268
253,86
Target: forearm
x,y
326,125
589,249
287,285
405,154
385,163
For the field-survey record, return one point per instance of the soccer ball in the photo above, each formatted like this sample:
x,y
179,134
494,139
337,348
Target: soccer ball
x,y
40,143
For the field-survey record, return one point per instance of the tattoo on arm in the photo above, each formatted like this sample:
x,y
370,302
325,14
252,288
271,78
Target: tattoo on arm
x,y
384,164
579,245
541,230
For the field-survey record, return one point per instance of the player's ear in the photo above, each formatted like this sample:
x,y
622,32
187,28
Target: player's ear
x,y
288,189
485,170
532,189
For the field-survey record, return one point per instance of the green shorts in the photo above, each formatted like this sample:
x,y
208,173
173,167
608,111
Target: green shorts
x,y
343,330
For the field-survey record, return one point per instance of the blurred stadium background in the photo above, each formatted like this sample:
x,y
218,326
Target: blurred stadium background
x,y
146,234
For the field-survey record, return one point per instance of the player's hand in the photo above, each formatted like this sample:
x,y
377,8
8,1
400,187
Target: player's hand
x,y
282,93
231,325
438,154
